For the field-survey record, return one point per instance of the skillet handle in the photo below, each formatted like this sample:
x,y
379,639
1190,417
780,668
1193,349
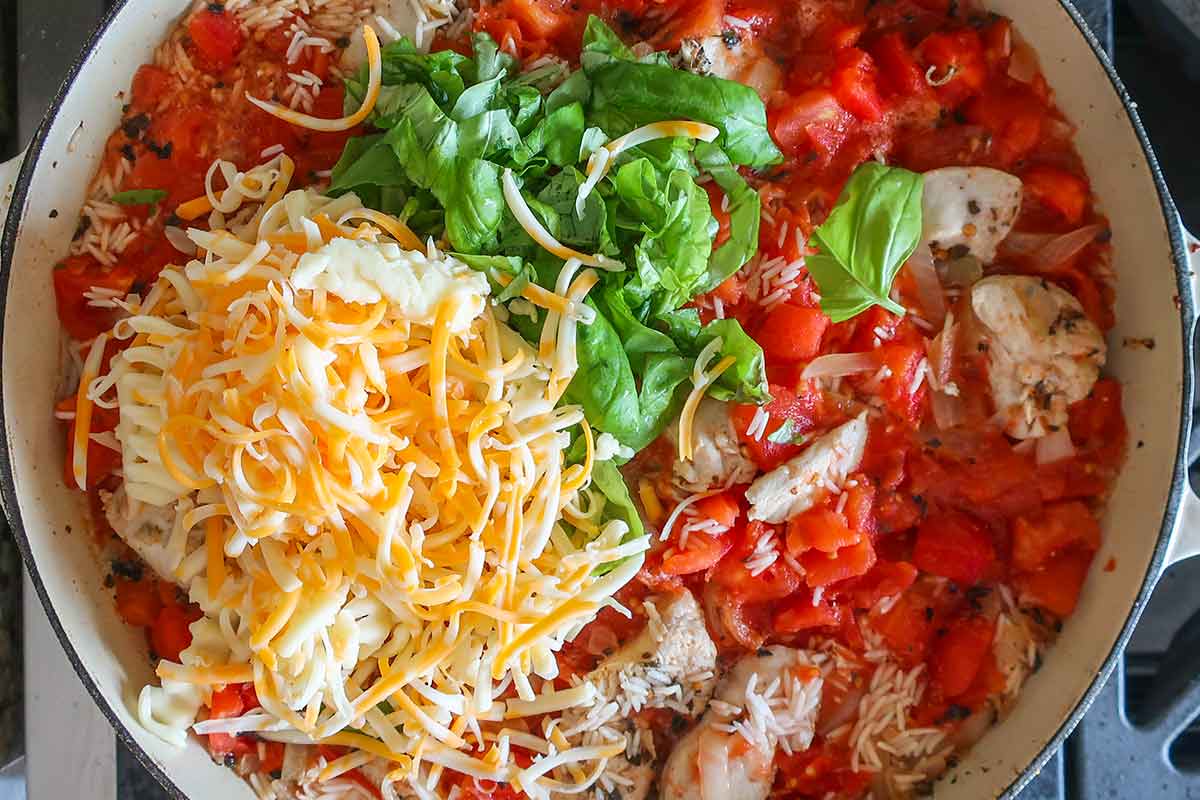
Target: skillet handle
x,y
1185,541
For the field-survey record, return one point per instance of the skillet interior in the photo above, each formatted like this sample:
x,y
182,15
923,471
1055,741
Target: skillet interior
x,y
1153,302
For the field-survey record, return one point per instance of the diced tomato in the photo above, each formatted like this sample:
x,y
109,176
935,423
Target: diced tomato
x,y
76,276
853,83
799,614
822,569
703,551
716,202
959,654
272,758
1056,586
689,19
721,508
811,121
954,546
957,57
1036,539
760,14
908,625
1064,192
885,579
170,635
249,696
989,681
137,602
1014,116
730,292
1099,414
226,703
898,68
776,582
819,529
903,363
997,43
860,507
102,461
786,407
792,333
216,35
150,83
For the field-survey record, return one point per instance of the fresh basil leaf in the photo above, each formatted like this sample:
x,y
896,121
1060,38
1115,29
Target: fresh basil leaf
x,y
599,38
139,197
575,89
868,236
644,93
744,215
441,73
746,380
607,478
490,61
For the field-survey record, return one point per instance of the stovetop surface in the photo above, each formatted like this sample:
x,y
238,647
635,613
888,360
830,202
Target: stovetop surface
x,y
1121,749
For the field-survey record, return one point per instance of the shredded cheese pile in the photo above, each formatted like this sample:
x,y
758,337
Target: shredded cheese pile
x,y
371,499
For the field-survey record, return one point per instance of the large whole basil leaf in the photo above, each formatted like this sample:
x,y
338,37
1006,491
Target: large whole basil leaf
x,y
744,215
868,236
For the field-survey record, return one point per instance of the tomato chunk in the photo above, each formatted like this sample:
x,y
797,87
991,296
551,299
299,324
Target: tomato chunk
x,y
170,634
956,57
960,653
822,569
885,579
1059,190
1056,586
1036,539
853,82
954,546
703,551
73,279
792,333
137,602
720,508
898,68
216,35
811,121
800,614
797,410
819,529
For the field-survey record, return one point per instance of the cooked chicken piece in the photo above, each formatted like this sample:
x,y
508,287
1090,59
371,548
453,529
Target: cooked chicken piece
x,y
736,58
717,458
670,664
670,651
969,207
771,696
799,484
147,529
1044,353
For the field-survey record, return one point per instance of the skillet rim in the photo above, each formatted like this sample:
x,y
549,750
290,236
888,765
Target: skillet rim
x,y
11,505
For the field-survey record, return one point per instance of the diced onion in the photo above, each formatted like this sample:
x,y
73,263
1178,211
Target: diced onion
x,y
947,411
1056,446
1048,252
840,365
180,240
1062,249
929,286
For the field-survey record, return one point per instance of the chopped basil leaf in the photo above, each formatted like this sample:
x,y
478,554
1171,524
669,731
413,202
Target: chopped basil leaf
x,y
139,197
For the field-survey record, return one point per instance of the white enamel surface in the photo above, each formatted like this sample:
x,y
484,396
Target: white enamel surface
x,y
115,657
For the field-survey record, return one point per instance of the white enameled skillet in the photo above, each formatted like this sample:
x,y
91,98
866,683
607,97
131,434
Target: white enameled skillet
x,y
1153,519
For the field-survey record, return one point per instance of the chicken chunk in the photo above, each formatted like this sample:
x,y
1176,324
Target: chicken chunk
x,y
969,207
799,484
717,458
770,697
670,665
147,529
671,651
734,58
1044,353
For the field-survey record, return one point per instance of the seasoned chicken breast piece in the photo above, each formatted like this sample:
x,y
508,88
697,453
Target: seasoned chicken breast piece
x,y
1044,353
971,207
796,486
670,664
767,698
733,57
717,458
